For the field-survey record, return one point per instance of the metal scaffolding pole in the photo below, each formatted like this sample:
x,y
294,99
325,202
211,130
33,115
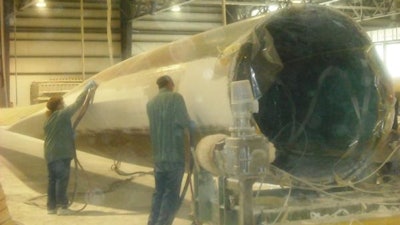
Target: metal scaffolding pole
x,y
4,84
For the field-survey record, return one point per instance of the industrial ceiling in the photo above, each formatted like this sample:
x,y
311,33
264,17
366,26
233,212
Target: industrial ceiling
x,y
371,14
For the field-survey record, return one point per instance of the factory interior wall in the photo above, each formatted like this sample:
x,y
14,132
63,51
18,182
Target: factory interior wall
x,y
50,47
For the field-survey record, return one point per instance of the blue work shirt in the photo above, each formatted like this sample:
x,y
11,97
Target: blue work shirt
x,y
59,142
168,119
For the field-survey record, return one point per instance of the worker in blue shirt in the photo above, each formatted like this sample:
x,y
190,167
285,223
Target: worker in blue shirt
x,y
59,149
168,118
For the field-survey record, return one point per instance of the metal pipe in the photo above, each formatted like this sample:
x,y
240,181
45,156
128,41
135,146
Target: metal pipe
x,y
4,86
224,12
15,55
246,216
109,32
82,39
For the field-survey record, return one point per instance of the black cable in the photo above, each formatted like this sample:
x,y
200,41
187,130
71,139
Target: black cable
x,y
88,100
116,167
188,180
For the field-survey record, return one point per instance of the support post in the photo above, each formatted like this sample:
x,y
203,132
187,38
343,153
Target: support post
x,y
246,216
126,29
6,8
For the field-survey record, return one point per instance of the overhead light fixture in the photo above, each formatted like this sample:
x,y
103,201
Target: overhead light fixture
x,y
41,4
176,9
273,8
255,12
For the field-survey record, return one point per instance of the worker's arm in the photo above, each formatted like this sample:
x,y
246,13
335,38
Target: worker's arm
x,y
74,107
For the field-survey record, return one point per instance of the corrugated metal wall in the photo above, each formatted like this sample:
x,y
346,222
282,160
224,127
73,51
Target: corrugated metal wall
x,y
46,43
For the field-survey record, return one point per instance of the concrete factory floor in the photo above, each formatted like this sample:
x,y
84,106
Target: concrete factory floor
x,y
110,198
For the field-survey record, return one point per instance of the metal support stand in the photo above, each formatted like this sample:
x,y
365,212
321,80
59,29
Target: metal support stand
x,y
246,215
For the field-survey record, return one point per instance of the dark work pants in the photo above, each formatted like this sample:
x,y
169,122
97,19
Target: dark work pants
x,y
165,201
58,183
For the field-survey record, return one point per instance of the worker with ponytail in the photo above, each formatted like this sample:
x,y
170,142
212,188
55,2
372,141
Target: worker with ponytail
x,y
59,149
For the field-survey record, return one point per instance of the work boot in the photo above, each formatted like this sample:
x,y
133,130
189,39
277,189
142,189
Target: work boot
x,y
64,211
51,211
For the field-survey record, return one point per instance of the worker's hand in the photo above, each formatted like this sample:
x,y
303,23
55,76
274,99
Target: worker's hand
x,y
91,84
